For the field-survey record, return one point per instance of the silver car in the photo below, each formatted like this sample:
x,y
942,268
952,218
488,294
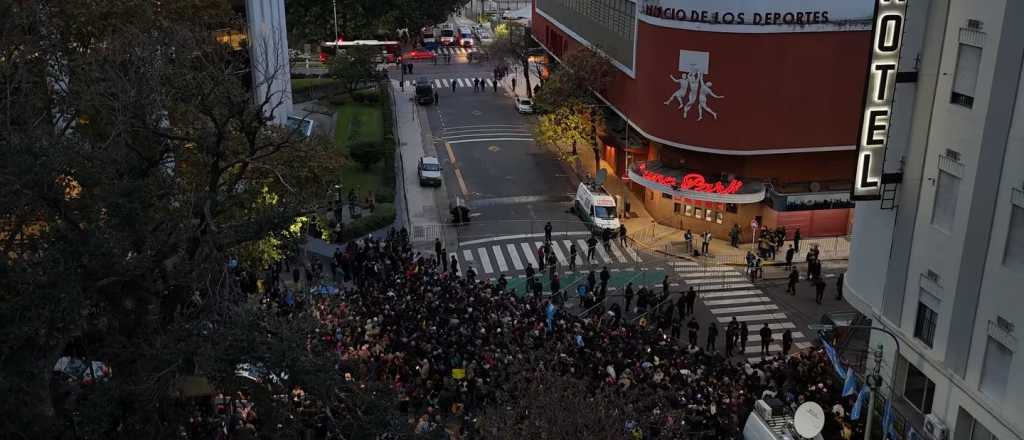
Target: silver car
x,y
429,170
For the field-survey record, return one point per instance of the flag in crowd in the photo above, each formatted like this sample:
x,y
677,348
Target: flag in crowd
x,y
861,397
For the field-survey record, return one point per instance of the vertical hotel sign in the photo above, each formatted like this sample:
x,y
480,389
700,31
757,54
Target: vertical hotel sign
x,y
874,126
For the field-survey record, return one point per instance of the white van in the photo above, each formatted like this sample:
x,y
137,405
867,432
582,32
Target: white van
x,y
596,207
771,420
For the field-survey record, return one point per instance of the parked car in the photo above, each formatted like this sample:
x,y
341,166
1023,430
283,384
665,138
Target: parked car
x,y
429,170
424,91
524,105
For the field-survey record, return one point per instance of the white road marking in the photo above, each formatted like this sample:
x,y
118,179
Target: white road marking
x,y
632,253
744,309
491,140
731,293
499,258
757,338
467,256
618,253
516,262
682,263
726,302
529,254
484,261
763,317
558,253
516,237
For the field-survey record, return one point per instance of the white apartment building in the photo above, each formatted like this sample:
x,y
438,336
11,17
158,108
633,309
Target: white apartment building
x,y
268,49
939,260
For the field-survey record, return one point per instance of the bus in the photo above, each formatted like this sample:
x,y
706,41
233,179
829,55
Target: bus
x,y
427,38
389,50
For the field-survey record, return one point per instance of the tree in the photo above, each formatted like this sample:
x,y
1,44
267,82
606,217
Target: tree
x,y
516,46
313,20
355,67
582,73
366,153
137,158
566,124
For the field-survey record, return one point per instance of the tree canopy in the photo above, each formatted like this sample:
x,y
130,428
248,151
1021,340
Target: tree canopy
x,y
137,158
313,20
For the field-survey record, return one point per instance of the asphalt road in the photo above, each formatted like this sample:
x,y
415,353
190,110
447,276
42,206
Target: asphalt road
x,y
489,154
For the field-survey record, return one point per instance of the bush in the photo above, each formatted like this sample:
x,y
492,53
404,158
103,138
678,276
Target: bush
x,y
366,153
368,96
382,217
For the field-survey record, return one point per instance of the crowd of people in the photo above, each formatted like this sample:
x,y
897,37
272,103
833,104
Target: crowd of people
x,y
448,346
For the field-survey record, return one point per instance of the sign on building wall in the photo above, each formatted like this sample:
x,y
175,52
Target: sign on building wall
x,y
694,85
759,12
887,39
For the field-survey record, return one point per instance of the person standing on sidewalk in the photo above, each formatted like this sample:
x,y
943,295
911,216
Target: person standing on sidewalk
x,y
839,286
796,240
572,256
444,258
789,256
547,232
605,276
794,276
437,247
436,99
628,296
453,85
688,237
734,235
514,86
681,306
705,243
622,236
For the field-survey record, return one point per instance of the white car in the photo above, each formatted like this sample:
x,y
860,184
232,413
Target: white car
x,y
524,105
429,170
484,36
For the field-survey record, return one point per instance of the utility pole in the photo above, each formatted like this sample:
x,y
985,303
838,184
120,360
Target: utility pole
x,y
874,380
335,3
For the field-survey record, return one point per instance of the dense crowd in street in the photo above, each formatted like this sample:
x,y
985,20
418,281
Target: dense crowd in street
x,y
447,346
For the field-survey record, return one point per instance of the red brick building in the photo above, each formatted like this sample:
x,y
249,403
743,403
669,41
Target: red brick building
x,y
727,111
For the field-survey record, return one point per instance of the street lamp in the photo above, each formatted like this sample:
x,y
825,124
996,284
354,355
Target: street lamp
x,y
335,4
874,380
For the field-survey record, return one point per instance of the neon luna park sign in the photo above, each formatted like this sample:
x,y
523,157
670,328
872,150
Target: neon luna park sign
x,y
690,182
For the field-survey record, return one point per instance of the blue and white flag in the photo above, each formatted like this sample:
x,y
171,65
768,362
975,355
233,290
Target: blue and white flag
x,y
887,417
861,397
831,352
550,317
850,386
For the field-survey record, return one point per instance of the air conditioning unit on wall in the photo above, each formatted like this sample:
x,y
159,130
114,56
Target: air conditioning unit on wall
x,y
934,428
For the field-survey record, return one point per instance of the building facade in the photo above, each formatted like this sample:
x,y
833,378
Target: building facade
x,y
265,41
939,258
724,112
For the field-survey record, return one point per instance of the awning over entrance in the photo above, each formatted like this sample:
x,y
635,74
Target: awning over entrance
x,y
694,186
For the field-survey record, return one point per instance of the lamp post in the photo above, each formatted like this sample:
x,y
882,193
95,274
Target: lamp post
x,y
335,4
874,380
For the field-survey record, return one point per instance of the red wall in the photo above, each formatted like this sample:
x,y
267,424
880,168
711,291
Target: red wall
x,y
780,90
820,223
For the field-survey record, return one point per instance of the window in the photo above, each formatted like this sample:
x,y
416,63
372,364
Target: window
x,y
924,328
918,389
689,211
996,370
1013,256
708,215
969,429
947,193
676,208
666,195
731,207
968,61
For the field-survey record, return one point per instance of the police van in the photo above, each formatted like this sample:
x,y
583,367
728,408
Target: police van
x,y
596,207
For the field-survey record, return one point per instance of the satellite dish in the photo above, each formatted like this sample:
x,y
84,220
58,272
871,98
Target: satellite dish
x,y
602,175
809,419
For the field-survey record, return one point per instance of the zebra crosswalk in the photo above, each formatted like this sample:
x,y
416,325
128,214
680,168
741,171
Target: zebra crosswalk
x,y
507,258
728,293
409,85
455,50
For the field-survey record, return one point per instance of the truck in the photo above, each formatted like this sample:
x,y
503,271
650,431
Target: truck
x,y
424,91
596,207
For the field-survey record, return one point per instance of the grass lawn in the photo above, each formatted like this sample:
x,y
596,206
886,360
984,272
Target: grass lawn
x,y
361,122
300,84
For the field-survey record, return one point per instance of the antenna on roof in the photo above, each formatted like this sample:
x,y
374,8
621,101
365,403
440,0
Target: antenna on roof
x,y
809,420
